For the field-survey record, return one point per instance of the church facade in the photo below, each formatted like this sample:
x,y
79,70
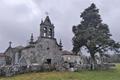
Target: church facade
x,y
44,50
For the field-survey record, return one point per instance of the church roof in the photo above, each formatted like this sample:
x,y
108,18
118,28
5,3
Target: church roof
x,y
47,20
2,55
67,53
19,47
29,46
15,49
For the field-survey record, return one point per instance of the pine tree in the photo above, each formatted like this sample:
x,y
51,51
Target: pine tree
x,y
93,34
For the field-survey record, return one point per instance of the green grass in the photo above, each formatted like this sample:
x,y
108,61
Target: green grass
x,y
82,75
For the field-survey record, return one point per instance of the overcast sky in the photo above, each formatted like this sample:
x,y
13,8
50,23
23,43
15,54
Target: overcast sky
x,y
20,18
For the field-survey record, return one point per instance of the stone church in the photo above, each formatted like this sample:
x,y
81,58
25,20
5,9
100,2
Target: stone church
x,y
45,49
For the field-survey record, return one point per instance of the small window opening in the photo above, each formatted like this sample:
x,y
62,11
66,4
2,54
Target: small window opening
x,y
44,34
48,61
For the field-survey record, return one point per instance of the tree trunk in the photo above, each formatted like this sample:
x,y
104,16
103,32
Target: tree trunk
x,y
93,61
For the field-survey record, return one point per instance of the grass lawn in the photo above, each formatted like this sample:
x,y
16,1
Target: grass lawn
x,y
82,75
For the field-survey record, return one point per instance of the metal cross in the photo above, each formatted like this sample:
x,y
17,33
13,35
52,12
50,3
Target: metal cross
x,y
47,13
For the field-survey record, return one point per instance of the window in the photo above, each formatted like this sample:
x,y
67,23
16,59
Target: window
x,y
45,29
44,34
50,33
48,48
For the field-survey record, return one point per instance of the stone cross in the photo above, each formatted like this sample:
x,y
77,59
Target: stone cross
x,y
10,43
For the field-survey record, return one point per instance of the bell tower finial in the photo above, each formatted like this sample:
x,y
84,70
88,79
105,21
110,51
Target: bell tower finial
x,y
60,44
31,39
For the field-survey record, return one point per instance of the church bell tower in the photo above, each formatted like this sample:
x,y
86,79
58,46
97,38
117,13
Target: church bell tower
x,y
46,28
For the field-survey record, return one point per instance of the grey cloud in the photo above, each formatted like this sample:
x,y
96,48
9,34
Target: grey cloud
x,y
18,21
